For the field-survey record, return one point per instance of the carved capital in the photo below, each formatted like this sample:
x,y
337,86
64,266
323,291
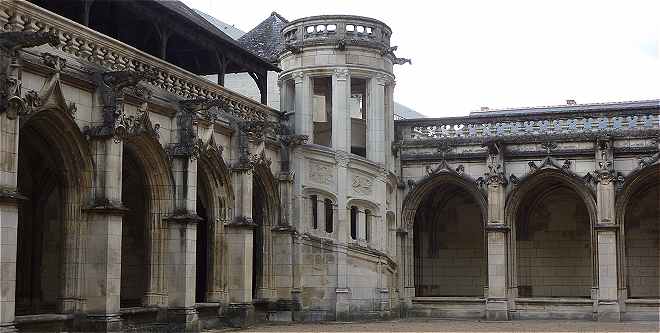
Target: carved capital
x,y
298,77
342,159
342,74
294,140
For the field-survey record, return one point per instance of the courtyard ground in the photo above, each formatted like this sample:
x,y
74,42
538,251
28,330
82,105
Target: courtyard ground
x,y
437,325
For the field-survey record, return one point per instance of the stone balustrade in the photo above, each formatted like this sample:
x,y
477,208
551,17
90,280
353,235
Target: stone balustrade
x,y
487,127
338,30
93,47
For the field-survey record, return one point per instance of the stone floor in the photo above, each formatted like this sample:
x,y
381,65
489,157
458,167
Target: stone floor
x,y
435,325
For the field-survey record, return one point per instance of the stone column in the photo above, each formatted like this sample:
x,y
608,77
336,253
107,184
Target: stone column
x,y
181,247
343,296
8,219
103,252
496,230
320,214
239,239
362,225
376,120
303,105
608,308
341,117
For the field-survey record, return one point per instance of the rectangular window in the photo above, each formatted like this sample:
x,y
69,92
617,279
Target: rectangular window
x,y
322,110
357,106
315,216
354,212
329,223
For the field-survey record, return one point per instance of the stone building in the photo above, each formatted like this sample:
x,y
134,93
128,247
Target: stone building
x,y
136,194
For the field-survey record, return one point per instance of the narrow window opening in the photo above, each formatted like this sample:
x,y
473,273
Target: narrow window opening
x,y
354,212
367,225
328,216
358,110
322,111
315,216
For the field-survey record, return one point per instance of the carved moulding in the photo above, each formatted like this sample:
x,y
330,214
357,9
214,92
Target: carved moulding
x,y
547,163
10,85
321,174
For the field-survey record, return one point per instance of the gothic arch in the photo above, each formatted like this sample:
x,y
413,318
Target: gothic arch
x,y
215,190
145,152
422,189
265,214
51,141
639,181
521,193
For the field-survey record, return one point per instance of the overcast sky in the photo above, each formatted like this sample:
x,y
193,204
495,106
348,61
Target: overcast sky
x,y
468,54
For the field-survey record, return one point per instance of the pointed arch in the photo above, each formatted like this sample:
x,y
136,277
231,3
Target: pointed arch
x,y
538,190
156,186
639,186
50,143
265,214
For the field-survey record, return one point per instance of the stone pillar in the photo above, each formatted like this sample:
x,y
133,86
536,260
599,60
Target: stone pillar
x,y
320,214
303,105
496,230
341,117
343,230
239,239
181,247
103,252
376,120
362,225
8,219
608,308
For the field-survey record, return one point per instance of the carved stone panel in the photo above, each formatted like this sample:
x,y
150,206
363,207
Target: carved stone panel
x,y
362,184
321,174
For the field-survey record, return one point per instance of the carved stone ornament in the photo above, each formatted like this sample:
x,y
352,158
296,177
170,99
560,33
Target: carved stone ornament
x,y
321,174
294,140
188,145
50,96
257,130
342,74
605,174
342,159
362,184
113,86
388,52
495,175
547,163
653,159
10,85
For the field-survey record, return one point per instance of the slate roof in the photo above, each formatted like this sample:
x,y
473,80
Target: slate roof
x,y
403,112
186,12
265,40
228,29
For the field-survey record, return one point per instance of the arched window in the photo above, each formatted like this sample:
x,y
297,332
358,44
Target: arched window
x,y
329,223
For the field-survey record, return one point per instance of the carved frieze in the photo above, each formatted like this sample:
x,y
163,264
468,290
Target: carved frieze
x,y
321,174
362,184
342,159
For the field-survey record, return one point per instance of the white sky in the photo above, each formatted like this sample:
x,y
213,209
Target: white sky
x,y
468,54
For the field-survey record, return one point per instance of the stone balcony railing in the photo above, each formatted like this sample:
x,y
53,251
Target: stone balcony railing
x,y
643,119
91,46
337,30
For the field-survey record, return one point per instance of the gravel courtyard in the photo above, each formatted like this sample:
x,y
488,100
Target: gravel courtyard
x,y
435,325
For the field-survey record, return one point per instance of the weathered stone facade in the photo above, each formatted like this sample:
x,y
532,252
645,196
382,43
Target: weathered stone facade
x,y
137,195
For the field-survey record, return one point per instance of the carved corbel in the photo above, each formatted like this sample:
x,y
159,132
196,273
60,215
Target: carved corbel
x,y
189,145
10,85
113,87
293,140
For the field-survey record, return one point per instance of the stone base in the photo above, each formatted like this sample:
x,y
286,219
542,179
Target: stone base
x,y
608,311
183,320
497,310
103,323
8,328
239,315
